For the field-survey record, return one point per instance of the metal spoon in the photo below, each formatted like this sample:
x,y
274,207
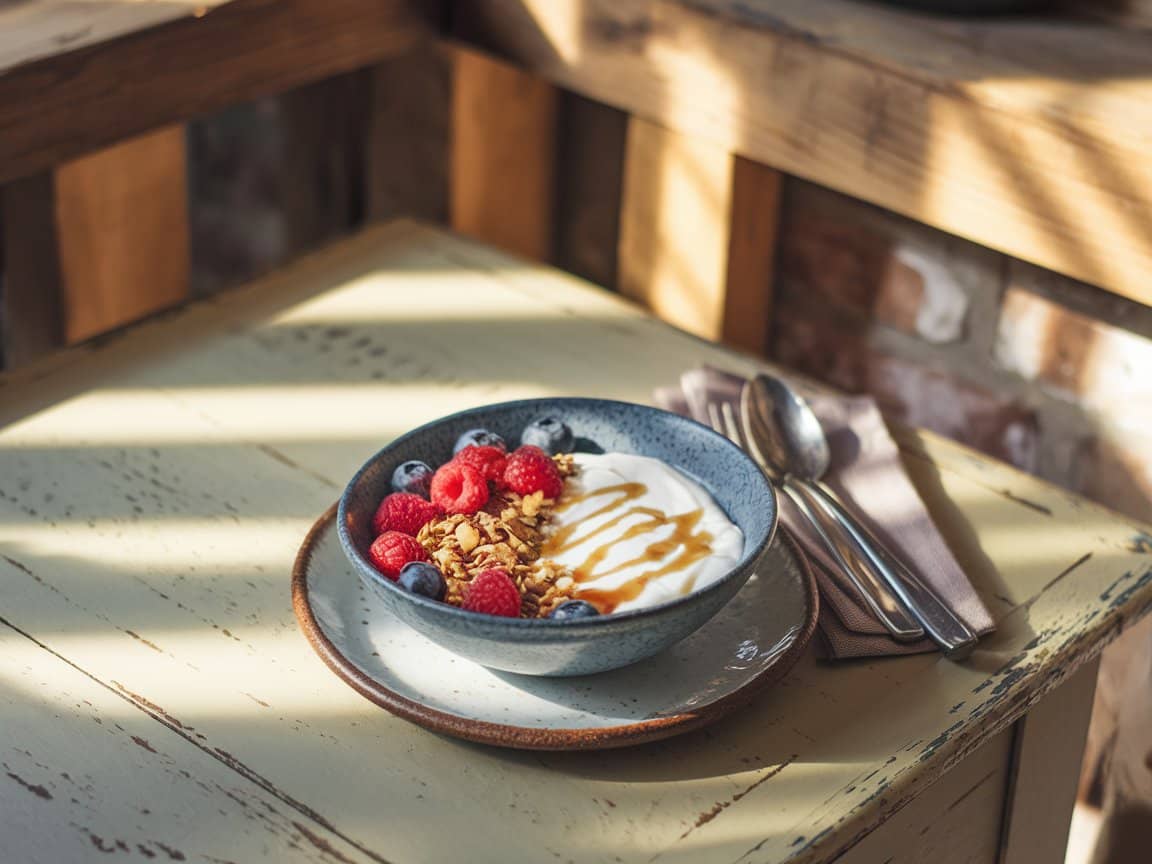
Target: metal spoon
x,y
789,433
764,446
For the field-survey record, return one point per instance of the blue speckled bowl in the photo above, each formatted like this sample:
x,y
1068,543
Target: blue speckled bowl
x,y
544,646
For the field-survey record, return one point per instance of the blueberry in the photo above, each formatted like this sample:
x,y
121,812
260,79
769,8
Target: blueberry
x,y
550,434
414,476
571,609
422,578
479,438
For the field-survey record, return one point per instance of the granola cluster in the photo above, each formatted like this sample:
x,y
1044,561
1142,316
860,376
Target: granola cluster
x,y
507,534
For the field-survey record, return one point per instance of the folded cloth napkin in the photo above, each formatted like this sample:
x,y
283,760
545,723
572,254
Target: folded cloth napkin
x,y
867,474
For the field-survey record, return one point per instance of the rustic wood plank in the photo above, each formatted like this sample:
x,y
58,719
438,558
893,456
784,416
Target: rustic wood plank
x,y
36,29
33,314
503,155
1047,755
589,188
325,125
60,107
754,216
68,739
407,147
165,478
956,820
1126,13
1125,825
674,231
1027,136
122,228
697,238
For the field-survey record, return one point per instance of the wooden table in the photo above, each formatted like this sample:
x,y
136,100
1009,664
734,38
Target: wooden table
x,y
158,701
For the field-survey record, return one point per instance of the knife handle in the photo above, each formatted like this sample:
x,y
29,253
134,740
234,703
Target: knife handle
x,y
885,605
955,638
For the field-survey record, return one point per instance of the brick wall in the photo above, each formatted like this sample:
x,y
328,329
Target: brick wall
x,y
1047,373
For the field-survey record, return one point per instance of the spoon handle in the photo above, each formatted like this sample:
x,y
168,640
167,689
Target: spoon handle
x,y
954,637
885,605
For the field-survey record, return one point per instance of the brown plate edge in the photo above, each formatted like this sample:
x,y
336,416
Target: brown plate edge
x,y
519,737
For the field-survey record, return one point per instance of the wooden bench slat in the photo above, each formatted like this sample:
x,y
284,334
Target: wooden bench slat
x,y
1027,136
64,106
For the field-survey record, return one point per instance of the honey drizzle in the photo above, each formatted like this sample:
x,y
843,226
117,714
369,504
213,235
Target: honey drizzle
x,y
694,544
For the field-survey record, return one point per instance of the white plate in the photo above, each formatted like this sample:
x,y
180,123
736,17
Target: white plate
x,y
750,643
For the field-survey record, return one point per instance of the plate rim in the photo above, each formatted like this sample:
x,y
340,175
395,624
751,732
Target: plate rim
x,y
523,737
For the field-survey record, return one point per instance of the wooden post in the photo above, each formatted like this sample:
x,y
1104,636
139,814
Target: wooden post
x,y
1048,750
321,186
407,146
590,177
503,155
698,234
122,232
33,319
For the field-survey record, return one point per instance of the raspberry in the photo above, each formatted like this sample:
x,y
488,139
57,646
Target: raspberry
x,y
529,469
494,593
404,512
392,550
459,488
488,460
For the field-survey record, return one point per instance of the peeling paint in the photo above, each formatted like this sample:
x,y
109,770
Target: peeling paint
x,y
98,842
720,806
1039,508
174,854
141,639
322,844
34,788
1141,543
939,741
1124,596
151,706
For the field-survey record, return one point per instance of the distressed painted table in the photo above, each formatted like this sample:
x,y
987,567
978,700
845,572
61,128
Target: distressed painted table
x,y
158,702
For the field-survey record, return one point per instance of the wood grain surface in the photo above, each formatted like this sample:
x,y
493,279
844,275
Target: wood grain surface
x,y
589,182
122,231
63,106
1027,135
36,29
503,154
698,235
155,488
1046,769
407,144
33,319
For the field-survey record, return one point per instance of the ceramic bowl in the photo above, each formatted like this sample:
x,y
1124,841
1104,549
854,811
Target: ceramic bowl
x,y
545,646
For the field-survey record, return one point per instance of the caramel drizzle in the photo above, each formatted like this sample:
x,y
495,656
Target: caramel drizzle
x,y
693,545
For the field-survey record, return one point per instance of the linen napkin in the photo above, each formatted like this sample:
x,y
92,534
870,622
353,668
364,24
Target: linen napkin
x,y
866,472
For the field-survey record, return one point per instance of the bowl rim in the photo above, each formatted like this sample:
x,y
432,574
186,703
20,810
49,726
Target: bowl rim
x,y
749,557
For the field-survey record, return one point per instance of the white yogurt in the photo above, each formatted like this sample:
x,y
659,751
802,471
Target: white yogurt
x,y
636,532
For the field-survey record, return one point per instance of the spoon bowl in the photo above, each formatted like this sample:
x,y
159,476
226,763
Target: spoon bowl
x,y
788,428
